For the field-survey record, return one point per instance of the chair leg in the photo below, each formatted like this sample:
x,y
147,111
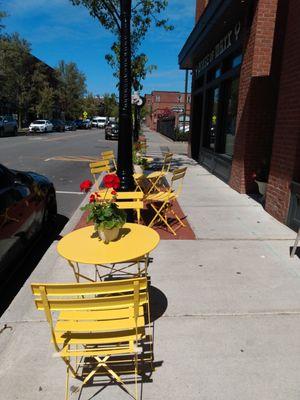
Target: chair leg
x,y
295,244
159,215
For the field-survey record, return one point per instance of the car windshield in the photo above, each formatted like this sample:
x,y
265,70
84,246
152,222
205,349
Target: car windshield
x,y
39,121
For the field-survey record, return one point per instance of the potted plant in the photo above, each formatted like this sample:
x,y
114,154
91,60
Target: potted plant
x,y
261,177
104,212
140,163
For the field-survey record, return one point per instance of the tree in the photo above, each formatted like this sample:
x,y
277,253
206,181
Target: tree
x,y
111,106
71,89
91,105
45,105
16,70
129,20
2,15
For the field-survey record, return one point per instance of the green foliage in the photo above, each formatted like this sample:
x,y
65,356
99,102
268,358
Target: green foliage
x,y
145,14
105,215
181,136
91,105
2,15
111,106
71,90
16,72
44,107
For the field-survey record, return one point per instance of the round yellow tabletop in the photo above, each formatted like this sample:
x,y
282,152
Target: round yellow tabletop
x,y
84,246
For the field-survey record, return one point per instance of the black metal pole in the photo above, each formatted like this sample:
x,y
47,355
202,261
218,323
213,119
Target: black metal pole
x,y
185,98
125,167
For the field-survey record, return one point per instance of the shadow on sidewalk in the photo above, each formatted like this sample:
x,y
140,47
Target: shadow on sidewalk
x,y
22,270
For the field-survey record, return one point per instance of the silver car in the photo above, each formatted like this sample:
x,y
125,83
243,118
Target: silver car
x,y
41,125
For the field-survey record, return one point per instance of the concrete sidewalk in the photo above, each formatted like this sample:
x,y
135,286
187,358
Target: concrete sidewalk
x,y
230,329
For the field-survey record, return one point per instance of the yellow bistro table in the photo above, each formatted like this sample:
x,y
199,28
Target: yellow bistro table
x,y
83,246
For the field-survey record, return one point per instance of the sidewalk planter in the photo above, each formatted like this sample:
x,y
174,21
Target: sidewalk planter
x,y
262,187
108,235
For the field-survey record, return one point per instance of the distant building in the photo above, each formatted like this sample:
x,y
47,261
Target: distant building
x,y
161,103
245,118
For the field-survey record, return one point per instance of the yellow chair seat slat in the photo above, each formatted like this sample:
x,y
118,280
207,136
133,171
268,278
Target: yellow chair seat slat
x,y
107,351
126,195
96,315
82,289
137,176
99,326
99,337
91,304
156,174
161,196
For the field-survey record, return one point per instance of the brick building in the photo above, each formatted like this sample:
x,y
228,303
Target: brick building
x,y
245,57
160,103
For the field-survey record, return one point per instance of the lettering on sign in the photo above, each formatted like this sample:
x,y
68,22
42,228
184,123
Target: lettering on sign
x,y
225,43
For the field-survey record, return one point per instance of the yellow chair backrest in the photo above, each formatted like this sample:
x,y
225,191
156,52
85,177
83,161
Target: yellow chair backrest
x,y
98,167
178,175
109,155
167,162
87,297
128,201
131,201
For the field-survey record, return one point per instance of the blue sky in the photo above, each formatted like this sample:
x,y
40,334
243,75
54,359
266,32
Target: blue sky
x,y
58,30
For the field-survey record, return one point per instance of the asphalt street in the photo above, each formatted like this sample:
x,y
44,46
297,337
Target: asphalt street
x,y
57,155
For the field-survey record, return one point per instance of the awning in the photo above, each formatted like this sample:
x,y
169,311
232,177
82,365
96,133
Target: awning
x,y
217,17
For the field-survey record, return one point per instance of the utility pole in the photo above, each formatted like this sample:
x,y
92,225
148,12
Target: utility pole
x,y
125,166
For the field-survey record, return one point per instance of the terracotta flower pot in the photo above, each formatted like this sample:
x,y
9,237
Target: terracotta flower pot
x,y
108,235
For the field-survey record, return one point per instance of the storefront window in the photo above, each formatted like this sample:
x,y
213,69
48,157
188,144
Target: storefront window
x,y
212,118
230,116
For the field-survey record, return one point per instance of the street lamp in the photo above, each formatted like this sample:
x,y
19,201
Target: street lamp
x,y
125,166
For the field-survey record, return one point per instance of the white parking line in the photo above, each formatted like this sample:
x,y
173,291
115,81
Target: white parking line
x,y
65,192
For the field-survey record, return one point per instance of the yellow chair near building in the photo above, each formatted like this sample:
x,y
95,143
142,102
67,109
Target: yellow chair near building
x,y
162,201
100,328
154,178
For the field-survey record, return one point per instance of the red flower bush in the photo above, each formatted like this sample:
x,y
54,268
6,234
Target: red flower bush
x,y
92,198
111,181
86,185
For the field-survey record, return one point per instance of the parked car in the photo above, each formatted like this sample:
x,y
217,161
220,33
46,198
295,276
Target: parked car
x,y
79,124
8,125
99,122
27,204
70,126
112,131
41,125
58,125
87,124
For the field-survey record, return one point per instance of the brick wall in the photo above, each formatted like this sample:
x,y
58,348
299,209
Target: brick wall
x,y
159,101
285,165
257,97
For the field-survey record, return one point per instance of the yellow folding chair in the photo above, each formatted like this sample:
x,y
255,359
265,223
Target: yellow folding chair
x,y
100,328
98,167
109,155
162,201
128,201
155,177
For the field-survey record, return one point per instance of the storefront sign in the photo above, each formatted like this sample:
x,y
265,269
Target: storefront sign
x,y
225,43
